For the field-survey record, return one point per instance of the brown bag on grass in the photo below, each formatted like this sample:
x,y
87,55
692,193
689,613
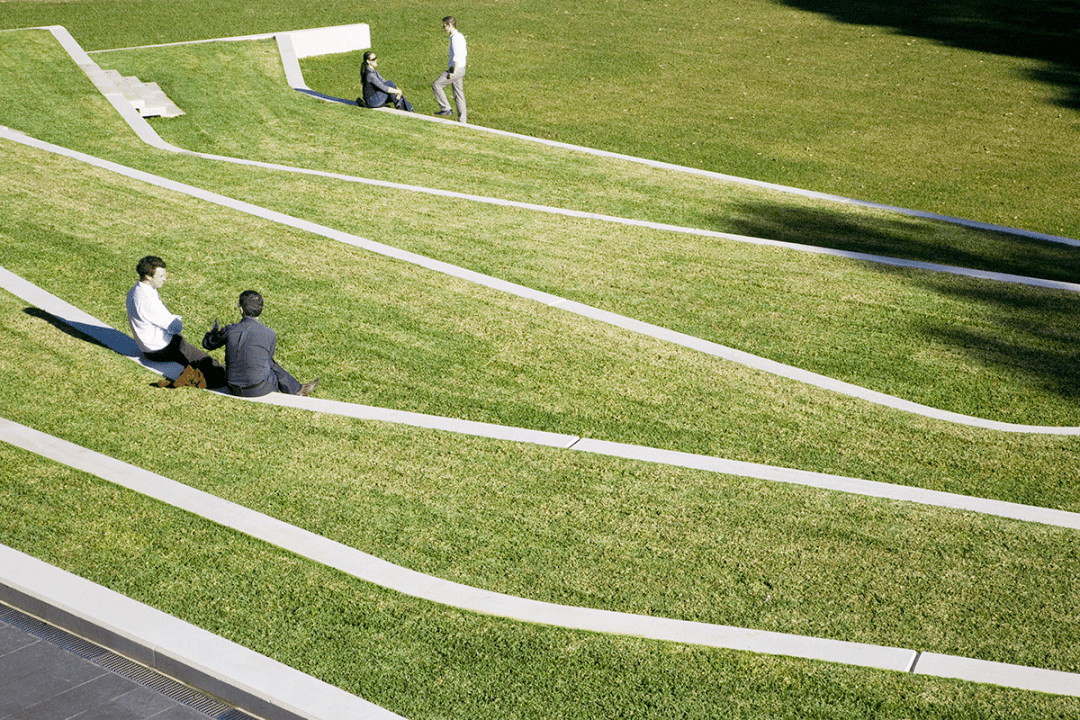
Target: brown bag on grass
x,y
190,377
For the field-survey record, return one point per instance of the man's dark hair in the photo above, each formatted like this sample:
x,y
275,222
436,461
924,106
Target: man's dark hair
x,y
450,20
251,303
148,265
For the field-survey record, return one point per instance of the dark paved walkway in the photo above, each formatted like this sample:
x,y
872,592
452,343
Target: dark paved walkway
x,y
40,680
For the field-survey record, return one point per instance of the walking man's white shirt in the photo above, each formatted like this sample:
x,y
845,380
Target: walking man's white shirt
x,y
454,74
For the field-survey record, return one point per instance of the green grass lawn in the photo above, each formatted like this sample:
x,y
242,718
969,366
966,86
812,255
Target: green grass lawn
x,y
385,333
541,523
830,98
901,332
425,661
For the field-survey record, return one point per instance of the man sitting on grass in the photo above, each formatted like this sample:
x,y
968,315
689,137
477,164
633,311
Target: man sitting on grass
x,y
157,331
251,370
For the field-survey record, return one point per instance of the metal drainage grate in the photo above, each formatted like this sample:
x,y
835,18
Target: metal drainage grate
x,y
147,677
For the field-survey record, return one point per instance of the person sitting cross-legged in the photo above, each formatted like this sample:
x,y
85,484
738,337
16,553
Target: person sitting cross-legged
x,y
379,91
250,368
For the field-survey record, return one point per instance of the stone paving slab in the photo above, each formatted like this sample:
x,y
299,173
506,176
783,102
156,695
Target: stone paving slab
x,y
41,680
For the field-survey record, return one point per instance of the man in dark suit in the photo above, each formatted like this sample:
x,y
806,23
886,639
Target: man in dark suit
x,y
250,368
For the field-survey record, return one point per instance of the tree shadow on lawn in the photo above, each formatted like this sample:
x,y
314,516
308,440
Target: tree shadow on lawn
x,y
1034,333
908,238
1042,30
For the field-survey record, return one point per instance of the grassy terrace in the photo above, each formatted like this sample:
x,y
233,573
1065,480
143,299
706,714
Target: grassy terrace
x,y
975,347
384,333
539,523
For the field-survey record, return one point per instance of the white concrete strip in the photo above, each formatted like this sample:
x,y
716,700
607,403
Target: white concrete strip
x,y
804,376
239,676
839,483
705,346
293,76
420,420
648,224
328,40
974,224
126,346
1017,676
372,569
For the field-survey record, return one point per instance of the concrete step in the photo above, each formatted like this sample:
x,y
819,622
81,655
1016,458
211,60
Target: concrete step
x,y
147,98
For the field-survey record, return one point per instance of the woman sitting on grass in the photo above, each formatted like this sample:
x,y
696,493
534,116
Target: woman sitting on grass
x,y
378,91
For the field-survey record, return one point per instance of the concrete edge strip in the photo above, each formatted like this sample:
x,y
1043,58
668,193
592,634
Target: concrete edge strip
x,y
721,351
124,345
648,224
409,582
241,677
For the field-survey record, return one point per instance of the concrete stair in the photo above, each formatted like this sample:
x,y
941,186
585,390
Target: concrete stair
x,y
148,99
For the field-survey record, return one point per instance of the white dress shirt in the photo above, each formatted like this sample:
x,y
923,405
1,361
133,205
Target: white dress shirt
x,y
458,50
151,322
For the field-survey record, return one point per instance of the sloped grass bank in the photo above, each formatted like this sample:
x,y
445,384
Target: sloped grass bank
x,y
424,661
746,87
385,333
979,348
238,104
569,528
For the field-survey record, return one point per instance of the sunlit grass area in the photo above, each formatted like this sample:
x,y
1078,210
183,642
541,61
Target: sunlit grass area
x,y
426,661
543,523
976,347
382,332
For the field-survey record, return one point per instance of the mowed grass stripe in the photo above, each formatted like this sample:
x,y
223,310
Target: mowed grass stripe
x,y
124,345
577,530
644,328
422,660
368,568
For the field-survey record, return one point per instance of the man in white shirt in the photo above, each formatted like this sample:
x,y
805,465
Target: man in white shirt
x,y
454,74
156,330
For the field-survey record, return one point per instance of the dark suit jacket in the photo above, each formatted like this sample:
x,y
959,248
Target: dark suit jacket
x,y
249,356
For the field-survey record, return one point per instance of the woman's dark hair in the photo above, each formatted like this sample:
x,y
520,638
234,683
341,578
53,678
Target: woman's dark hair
x,y
367,57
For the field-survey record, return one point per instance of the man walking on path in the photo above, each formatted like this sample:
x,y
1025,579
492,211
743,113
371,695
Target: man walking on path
x,y
250,368
454,74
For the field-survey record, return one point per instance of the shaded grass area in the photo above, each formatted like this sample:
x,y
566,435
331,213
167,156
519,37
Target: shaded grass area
x,y
941,341
385,333
564,527
425,661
